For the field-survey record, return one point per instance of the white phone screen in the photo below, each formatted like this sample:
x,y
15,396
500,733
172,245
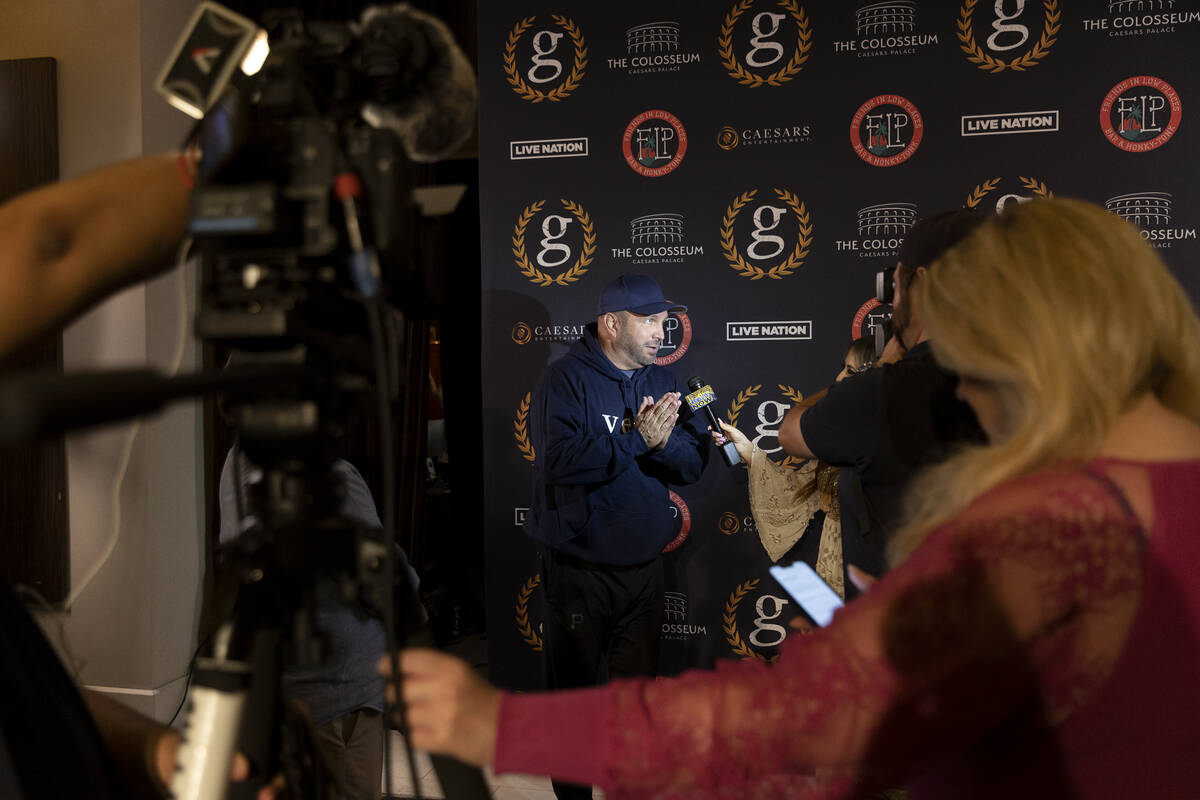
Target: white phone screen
x,y
814,595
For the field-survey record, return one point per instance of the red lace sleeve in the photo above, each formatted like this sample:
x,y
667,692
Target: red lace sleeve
x,y
996,620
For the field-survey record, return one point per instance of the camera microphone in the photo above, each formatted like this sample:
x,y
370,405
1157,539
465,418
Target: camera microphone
x,y
702,397
423,85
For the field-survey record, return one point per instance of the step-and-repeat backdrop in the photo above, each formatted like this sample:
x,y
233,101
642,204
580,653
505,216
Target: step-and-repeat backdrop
x,y
763,159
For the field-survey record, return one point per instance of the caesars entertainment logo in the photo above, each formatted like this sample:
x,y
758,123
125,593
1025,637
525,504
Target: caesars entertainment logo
x,y
732,137
654,143
766,236
761,616
1010,122
682,516
870,315
1140,113
565,248
1152,212
764,411
675,625
885,29
1015,34
1000,192
545,61
881,230
677,338
653,47
886,130
523,333
764,44
657,239
521,430
1140,17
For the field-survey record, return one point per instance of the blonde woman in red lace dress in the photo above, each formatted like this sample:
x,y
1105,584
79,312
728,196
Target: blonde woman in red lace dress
x,y
1039,634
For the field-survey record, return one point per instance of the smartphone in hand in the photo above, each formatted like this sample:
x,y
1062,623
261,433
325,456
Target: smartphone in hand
x,y
807,588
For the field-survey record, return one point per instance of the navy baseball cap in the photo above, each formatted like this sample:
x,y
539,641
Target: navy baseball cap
x,y
637,293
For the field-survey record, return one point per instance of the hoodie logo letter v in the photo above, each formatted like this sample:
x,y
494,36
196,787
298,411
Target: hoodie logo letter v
x,y
611,421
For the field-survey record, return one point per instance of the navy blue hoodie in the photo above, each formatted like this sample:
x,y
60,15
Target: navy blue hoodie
x,y
599,494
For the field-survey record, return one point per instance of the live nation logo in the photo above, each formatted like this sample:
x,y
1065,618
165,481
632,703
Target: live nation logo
x,y
1140,17
548,148
1000,192
653,47
523,333
766,235
1015,34
657,239
886,130
764,44
677,338
654,143
1140,113
1153,213
781,330
881,230
545,61
885,29
1009,122
562,241
869,316
732,137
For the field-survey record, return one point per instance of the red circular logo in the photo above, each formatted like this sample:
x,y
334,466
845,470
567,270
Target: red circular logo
x,y
654,143
685,522
871,313
1140,113
886,130
677,337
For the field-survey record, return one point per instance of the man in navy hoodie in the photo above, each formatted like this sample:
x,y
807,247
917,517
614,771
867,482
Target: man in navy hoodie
x,y
610,434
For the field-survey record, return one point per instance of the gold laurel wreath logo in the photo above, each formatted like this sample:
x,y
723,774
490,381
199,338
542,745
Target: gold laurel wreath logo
x,y
728,524
779,271
735,407
573,77
782,75
534,274
528,634
730,623
976,195
976,55
521,429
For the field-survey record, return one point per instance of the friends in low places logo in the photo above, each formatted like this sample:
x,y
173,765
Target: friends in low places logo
x,y
654,143
677,338
1140,114
886,130
553,246
545,61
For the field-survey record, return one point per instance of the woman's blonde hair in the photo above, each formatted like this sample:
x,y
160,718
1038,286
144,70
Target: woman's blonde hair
x,y
1071,316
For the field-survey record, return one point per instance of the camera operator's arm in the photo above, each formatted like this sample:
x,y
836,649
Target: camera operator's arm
x,y
791,437
66,245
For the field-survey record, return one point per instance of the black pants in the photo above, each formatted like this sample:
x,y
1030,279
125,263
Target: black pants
x,y
601,623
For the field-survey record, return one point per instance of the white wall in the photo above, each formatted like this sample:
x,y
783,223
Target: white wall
x,y
133,627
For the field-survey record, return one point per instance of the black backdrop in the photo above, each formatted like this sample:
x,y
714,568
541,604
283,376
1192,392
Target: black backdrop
x,y
761,160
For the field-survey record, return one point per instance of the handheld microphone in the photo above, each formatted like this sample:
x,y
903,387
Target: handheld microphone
x,y
423,86
701,397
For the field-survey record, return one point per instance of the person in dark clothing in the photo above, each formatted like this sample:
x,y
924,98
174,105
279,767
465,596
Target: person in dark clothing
x,y
610,434
886,424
